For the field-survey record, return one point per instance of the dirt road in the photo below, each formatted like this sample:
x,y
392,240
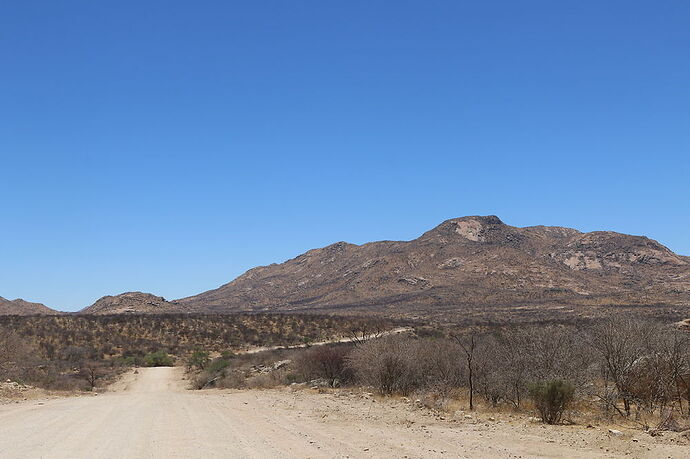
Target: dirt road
x,y
347,339
151,415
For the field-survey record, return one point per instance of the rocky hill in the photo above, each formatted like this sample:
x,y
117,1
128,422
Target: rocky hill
x,y
462,264
132,302
20,307
475,267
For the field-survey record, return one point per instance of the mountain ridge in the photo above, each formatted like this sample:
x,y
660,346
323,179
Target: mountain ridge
x,y
466,263
466,260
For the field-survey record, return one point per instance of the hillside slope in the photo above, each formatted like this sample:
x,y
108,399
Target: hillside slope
x,y
20,307
464,262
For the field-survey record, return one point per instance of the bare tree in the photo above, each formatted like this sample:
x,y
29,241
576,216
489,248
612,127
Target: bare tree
x,y
505,364
489,371
370,330
658,375
469,347
91,372
621,344
438,366
388,364
511,366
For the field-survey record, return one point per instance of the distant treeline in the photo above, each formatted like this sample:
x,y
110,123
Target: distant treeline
x,y
122,335
82,352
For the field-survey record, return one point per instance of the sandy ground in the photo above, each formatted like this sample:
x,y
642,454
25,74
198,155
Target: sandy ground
x,y
150,414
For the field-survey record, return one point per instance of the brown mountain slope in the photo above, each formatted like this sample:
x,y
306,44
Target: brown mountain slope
x,y
131,302
463,263
20,307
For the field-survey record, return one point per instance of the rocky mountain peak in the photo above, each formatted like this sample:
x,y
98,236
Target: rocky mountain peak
x,y
487,229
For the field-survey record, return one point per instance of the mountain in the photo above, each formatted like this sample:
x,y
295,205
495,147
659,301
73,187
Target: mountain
x,y
462,264
132,302
23,308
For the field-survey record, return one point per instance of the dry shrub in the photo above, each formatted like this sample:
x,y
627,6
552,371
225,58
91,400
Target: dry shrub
x,y
325,362
645,366
232,380
16,356
63,382
433,400
386,364
266,380
440,366
509,361
206,379
248,370
399,364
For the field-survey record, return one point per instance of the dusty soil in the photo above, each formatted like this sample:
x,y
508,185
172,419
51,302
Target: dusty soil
x,y
13,392
151,414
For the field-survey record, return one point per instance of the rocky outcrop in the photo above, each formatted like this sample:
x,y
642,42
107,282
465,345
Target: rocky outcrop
x,y
132,303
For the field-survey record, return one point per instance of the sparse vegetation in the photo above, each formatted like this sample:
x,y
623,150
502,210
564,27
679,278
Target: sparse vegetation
x,y
82,352
198,360
158,359
547,368
178,334
400,364
630,368
16,356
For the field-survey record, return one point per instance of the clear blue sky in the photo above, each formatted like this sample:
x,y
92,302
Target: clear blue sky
x,y
168,146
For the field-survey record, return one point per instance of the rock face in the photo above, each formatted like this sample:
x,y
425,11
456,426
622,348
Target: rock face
x,y
133,303
475,260
20,307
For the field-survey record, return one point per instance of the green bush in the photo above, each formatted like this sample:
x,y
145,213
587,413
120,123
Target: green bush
x,y
211,374
198,359
158,359
130,361
218,365
551,399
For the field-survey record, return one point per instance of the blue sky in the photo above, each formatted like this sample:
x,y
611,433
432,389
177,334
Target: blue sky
x,y
168,146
